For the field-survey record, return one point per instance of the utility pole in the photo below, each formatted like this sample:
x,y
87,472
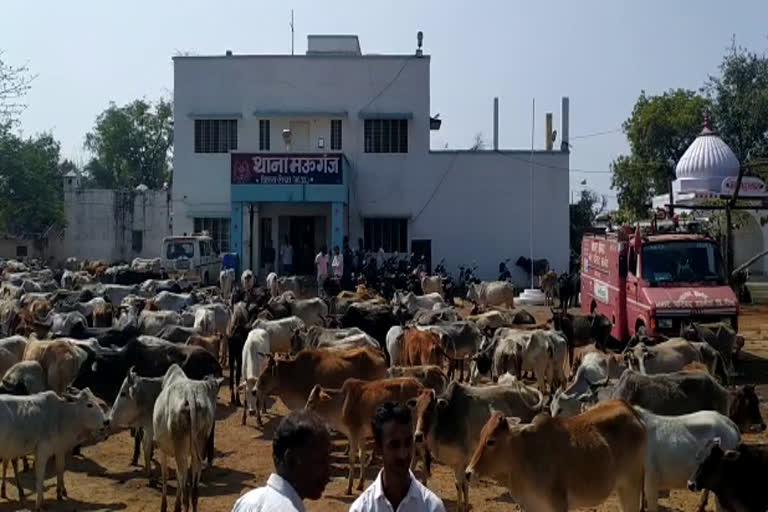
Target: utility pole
x,y
291,31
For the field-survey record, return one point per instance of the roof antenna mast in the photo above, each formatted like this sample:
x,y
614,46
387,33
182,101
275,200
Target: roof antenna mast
x,y
291,24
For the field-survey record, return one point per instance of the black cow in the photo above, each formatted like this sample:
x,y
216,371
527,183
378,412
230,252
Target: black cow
x,y
581,330
373,319
567,288
115,336
540,267
737,477
176,333
105,369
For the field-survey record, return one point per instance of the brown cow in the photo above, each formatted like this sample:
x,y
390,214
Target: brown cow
x,y
293,379
102,314
557,464
349,410
421,347
60,360
430,376
210,343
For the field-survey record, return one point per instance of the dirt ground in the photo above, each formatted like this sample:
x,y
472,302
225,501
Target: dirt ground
x,y
103,479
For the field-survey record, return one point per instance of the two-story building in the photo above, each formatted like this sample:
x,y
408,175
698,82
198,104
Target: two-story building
x,y
311,148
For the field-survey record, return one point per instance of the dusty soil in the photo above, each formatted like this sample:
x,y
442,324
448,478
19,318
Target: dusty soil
x,y
103,479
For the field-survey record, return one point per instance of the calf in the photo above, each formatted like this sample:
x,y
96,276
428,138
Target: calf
x,y
557,464
737,477
395,341
430,376
674,443
420,348
133,409
183,419
349,410
254,356
46,425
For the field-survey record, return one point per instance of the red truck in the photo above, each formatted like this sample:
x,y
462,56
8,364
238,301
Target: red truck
x,y
655,282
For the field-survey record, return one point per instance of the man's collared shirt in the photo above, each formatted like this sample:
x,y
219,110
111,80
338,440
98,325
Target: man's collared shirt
x,y
277,496
418,499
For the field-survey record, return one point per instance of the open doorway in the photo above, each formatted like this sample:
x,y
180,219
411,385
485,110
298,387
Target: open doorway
x,y
302,237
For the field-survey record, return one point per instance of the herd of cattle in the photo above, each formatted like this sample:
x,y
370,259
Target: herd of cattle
x,y
545,409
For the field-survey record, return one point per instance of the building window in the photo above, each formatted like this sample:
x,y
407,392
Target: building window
x,y
264,134
391,234
335,134
21,251
217,228
137,240
386,135
215,135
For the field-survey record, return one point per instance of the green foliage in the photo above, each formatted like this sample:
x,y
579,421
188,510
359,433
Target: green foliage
x,y
659,131
740,105
131,145
31,196
582,215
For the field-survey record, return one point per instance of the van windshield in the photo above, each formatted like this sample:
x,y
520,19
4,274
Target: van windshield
x,y
682,262
177,250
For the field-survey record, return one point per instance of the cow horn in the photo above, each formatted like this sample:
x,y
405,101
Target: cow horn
x,y
540,405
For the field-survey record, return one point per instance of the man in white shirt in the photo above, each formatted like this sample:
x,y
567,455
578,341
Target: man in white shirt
x,y
321,264
286,256
395,489
301,452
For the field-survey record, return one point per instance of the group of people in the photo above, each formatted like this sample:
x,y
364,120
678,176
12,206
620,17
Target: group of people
x,y
340,266
301,453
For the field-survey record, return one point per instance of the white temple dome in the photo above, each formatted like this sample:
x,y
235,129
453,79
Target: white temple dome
x,y
707,157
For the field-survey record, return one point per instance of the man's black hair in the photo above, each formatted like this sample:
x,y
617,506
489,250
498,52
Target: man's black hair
x,y
296,429
386,412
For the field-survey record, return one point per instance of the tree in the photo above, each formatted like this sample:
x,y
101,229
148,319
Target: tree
x,y
659,131
31,196
15,81
479,142
131,145
740,103
582,215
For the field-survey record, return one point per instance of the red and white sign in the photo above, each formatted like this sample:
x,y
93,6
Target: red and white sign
x,y
750,186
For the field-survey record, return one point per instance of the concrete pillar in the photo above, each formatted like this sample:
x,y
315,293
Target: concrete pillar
x,y
337,225
236,227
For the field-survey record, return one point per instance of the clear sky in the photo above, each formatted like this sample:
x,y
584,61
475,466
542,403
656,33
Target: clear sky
x,y
599,53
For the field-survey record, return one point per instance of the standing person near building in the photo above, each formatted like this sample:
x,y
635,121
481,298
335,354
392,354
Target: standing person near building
x,y
337,264
348,260
396,488
269,257
321,264
301,449
286,257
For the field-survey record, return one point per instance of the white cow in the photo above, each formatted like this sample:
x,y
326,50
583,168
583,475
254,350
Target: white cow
x,y
595,369
152,322
169,301
248,281
431,284
183,418
227,282
280,331
492,293
45,425
204,320
673,445
312,311
134,407
412,302
255,349
395,345
68,280
274,290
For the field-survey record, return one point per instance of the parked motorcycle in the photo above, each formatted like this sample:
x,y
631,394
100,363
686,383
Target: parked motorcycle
x,y
504,273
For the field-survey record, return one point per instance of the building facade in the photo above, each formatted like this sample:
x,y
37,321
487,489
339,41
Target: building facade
x,y
311,148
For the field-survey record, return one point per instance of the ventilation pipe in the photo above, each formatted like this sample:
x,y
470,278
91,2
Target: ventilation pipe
x,y
496,124
564,128
548,131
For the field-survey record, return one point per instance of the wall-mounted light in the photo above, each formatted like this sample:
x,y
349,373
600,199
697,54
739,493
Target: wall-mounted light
x,y
287,138
321,142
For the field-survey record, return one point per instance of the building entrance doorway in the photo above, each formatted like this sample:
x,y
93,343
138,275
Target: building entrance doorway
x,y
303,239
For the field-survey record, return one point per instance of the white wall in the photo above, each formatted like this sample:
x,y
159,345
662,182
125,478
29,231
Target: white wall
x,y
473,205
100,224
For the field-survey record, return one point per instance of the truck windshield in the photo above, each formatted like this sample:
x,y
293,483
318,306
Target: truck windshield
x,y
682,262
180,250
